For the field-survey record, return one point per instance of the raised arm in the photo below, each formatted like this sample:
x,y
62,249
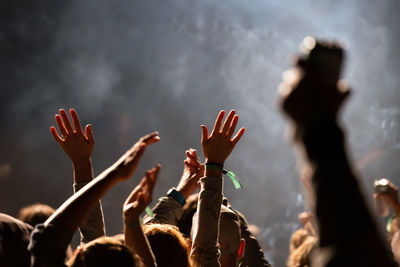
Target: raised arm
x,y
347,232
78,145
169,209
68,216
216,149
134,205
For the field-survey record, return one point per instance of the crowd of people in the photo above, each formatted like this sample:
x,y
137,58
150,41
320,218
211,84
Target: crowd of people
x,y
186,228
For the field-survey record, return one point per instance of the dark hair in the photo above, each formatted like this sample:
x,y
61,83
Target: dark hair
x,y
103,252
35,213
168,244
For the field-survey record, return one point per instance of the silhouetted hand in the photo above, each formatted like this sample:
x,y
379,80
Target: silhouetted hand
x,y
78,145
193,170
127,164
141,196
305,97
219,145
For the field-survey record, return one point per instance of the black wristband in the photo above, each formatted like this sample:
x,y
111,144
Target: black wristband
x,y
178,196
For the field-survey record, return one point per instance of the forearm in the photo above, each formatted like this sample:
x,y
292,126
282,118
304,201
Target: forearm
x,y
92,226
137,242
69,215
83,172
338,199
340,206
205,251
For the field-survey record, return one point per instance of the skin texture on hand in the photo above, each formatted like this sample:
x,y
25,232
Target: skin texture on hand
x,y
219,145
141,196
134,205
127,164
78,145
72,211
193,170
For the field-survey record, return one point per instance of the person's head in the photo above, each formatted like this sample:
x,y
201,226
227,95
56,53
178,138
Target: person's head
x,y
103,252
35,214
230,242
14,240
169,245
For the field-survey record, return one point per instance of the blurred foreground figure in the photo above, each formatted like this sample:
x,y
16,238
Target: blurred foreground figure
x,y
311,97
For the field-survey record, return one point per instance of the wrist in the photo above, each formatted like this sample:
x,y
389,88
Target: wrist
x,y
131,222
185,193
82,162
214,160
177,195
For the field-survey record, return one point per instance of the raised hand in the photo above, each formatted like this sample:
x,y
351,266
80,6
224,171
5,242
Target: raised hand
x,y
127,164
193,170
219,145
307,94
141,196
78,145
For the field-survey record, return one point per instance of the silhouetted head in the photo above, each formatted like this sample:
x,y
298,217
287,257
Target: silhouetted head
x,y
103,252
169,245
35,214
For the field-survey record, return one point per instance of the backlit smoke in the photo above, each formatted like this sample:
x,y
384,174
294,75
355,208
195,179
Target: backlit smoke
x,y
130,67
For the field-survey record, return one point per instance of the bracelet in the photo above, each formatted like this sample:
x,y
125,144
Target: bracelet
x,y
178,196
230,174
132,225
214,166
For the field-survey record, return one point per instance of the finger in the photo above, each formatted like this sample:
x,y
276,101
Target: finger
x,y
66,121
232,127
154,175
56,135
218,122
193,161
194,154
204,134
238,136
228,121
61,125
133,195
150,138
89,133
75,120
191,167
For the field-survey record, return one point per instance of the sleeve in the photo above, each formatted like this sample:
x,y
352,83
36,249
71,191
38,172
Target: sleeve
x,y
167,211
340,206
205,250
48,245
92,226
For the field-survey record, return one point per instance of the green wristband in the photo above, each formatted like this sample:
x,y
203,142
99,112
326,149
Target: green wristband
x,y
230,174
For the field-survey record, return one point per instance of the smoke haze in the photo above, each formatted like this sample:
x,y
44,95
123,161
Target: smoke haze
x,y
131,67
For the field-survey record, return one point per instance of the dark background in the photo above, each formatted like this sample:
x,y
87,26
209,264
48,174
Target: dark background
x,y
131,67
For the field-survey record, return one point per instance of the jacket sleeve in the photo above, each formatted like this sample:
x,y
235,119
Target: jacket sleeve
x,y
166,211
205,251
340,206
92,226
